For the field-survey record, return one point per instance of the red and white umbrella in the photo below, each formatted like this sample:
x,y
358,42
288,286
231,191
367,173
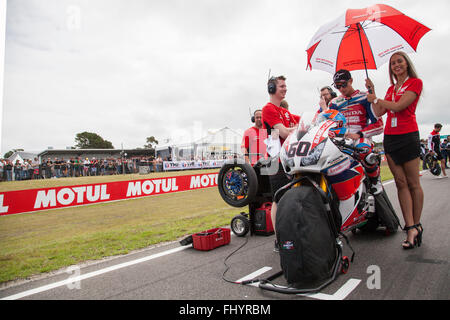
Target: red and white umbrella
x,y
363,39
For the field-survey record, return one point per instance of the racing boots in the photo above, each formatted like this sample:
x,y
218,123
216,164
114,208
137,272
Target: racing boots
x,y
375,185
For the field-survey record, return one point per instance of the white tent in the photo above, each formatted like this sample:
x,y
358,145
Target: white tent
x,y
220,143
22,155
217,144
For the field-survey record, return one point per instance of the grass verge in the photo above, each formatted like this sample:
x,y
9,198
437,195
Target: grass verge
x,y
34,243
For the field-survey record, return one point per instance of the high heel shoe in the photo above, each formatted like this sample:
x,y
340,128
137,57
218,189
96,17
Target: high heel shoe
x,y
417,242
419,235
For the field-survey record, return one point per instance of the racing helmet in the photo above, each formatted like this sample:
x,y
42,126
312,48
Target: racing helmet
x,y
340,129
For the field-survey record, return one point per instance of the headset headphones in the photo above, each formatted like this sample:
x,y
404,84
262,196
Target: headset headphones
x,y
332,93
272,85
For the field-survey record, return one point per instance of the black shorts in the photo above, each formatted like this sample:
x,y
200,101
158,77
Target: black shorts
x,y
278,180
402,147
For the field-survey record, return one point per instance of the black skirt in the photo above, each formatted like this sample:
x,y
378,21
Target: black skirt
x,y
402,147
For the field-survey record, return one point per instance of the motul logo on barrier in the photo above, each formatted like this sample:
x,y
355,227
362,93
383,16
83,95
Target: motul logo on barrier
x,y
12,202
67,196
203,181
2,208
151,186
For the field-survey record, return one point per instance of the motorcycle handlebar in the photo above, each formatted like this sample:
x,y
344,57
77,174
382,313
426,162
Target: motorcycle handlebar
x,y
348,146
371,159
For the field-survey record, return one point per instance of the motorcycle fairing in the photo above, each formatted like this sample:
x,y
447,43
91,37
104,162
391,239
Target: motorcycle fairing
x,y
346,183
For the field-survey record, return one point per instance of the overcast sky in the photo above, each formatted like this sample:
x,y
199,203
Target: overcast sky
x,y
127,70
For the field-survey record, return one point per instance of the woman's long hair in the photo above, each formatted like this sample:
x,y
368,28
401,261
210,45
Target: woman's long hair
x,y
411,69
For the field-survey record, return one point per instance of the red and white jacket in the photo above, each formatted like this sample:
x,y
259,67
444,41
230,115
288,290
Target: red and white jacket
x,y
434,141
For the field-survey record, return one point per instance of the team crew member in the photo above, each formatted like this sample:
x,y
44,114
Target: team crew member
x,y
402,141
326,95
362,123
445,147
434,145
284,104
276,118
253,146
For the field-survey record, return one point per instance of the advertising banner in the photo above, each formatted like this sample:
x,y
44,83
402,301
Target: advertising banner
x,y
184,165
12,202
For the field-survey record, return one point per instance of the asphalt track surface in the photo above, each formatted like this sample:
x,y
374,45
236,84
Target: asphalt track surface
x,y
382,270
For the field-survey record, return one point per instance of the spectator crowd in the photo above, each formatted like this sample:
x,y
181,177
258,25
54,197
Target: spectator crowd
x,y
74,167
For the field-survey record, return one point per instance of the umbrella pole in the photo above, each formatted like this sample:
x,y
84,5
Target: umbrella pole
x,y
362,49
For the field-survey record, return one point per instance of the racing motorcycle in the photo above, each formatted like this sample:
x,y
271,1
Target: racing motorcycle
x,y
317,155
432,163
329,193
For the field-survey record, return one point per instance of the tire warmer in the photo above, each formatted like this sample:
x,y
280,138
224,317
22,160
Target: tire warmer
x,y
266,284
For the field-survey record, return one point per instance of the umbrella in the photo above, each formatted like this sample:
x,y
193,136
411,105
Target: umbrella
x,y
363,39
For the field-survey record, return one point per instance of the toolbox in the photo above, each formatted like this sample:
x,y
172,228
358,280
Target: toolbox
x,y
211,239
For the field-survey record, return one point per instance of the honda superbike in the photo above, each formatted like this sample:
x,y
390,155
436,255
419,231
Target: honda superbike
x,y
316,157
432,163
316,154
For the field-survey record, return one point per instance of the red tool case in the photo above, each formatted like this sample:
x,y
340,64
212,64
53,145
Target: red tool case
x,y
211,239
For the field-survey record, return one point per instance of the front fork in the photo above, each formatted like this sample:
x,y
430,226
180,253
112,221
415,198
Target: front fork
x,y
321,181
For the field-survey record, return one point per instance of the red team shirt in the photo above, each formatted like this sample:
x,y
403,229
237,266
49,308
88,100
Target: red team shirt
x,y
272,115
253,141
406,119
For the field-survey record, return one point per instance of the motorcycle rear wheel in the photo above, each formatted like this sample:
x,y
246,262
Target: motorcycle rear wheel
x,y
432,165
237,183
